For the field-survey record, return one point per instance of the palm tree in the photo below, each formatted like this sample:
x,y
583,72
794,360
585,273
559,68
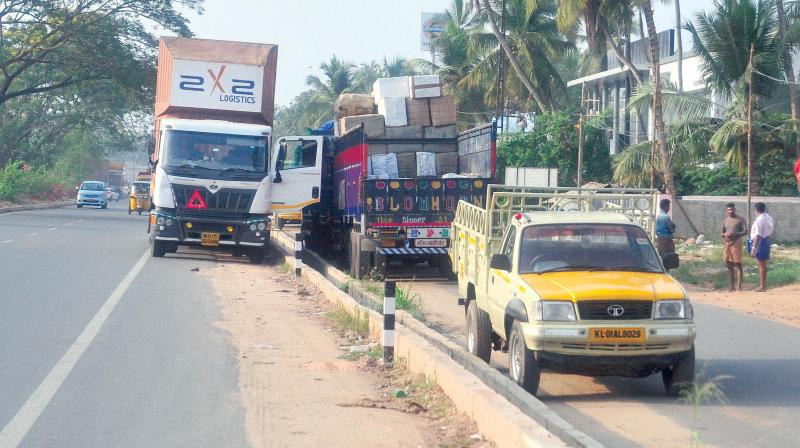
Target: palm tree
x,y
532,34
337,79
723,39
783,30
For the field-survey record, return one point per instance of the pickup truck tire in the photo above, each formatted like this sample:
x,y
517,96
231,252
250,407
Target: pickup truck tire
x,y
522,365
680,375
479,332
158,248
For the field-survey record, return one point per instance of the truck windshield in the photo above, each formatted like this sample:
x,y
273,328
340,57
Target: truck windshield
x,y
580,247
215,151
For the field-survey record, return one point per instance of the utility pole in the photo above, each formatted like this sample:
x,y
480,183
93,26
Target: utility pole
x,y
500,109
581,137
750,134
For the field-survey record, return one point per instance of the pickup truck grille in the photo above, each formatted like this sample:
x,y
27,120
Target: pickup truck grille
x,y
631,310
226,200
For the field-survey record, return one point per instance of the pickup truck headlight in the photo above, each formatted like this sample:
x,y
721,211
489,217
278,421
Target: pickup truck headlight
x,y
673,309
555,311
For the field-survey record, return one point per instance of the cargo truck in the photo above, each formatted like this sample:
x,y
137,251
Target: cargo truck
x,y
367,221
569,281
212,179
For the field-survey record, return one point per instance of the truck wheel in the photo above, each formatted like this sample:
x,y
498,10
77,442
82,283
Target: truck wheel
x,y
446,269
679,376
172,248
158,248
479,332
256,255
522,365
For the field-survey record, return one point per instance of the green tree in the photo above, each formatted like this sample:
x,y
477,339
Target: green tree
x,y
337,78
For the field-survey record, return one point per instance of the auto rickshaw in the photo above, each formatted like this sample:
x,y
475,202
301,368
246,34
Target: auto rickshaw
x,y
139,199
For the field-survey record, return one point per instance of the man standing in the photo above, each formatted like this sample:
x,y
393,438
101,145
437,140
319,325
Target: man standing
x,y
760,242
734,228
665,228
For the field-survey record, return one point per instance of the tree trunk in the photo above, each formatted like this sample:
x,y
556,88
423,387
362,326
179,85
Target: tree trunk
x,y
658,113
626,61
783,26
512,59
679,43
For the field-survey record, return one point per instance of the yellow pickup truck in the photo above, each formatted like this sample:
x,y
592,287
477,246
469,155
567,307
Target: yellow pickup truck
x,y
569,281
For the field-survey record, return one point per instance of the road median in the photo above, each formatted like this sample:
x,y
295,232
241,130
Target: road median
x,y
505,413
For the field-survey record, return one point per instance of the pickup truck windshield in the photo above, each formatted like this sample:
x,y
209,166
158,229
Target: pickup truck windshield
x,y
579,247
187,149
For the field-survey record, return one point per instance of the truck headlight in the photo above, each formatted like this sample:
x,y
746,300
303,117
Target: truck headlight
x,y
262,226
673,309
554,311
161,221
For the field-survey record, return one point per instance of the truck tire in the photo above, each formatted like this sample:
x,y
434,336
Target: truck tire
x,y
256,255
446,268
680,376
479,332
522,365
158,248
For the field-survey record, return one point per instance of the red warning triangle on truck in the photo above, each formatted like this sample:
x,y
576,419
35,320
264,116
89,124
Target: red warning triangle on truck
x,y
196,201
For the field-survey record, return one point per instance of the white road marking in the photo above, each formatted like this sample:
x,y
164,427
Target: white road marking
x,y
51,229
34,234
7,241
23,420
67,224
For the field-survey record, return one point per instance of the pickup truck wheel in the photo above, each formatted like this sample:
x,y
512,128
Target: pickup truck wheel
x,y
522,365
479,332
158,248
680,375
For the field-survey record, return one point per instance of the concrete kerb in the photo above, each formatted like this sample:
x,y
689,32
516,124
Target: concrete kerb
x,y
22,208
434,346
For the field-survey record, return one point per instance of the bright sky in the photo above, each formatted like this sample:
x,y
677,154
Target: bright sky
x,y
308,32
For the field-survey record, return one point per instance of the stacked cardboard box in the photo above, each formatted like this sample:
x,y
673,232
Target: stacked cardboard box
x,y
409,108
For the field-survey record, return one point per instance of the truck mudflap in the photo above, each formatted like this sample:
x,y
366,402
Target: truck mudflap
x,y
412,251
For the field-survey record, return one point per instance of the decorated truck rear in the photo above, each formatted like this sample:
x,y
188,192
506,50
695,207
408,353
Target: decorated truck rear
x,y
369,216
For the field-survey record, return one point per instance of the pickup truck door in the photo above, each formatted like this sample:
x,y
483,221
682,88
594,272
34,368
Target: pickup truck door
x,y
501,285
297,173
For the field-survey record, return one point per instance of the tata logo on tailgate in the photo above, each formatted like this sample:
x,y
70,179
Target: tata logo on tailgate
x,y
209,85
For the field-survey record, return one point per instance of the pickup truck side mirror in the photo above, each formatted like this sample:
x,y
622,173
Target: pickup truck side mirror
x,y
500,262
670,260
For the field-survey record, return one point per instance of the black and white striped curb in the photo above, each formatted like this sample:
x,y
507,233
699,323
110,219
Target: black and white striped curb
x,y
412,251
298,254
388,321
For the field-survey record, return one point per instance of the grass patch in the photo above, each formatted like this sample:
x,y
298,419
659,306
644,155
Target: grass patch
x,y
410,301
357,323
286,267
708,269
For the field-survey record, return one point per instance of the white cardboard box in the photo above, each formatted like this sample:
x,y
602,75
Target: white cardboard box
x,y
425,86
393,110
426,164
383,166
391,88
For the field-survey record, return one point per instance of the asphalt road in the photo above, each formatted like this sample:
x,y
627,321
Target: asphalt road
x,y
101,345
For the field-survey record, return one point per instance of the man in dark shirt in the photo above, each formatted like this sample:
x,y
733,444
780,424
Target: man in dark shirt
x,y
733,229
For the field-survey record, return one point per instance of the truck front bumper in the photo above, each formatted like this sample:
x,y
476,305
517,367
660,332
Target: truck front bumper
x,y
252,232
568,347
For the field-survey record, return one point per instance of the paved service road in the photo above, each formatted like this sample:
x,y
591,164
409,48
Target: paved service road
x,y
101,345
763,397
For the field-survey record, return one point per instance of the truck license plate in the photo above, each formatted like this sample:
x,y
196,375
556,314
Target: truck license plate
x,y
432,242
209,239
616,335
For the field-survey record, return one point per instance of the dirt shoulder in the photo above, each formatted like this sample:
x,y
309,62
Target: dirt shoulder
x,y
304,384
777,304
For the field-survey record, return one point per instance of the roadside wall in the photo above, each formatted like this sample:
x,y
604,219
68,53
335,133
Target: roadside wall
x,y
707,212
